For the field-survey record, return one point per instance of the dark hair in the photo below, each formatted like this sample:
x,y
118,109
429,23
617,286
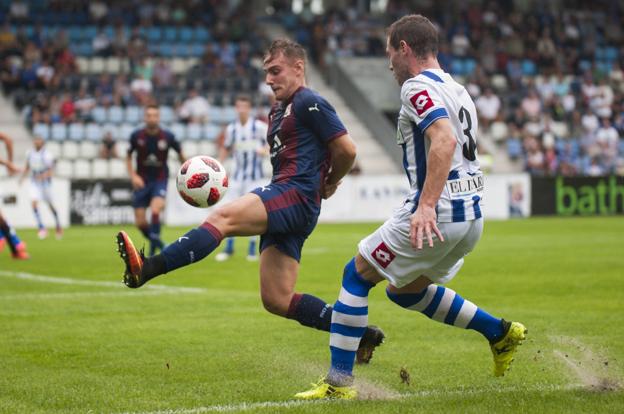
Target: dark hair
x,y
291,50
152,106
243,97
418,32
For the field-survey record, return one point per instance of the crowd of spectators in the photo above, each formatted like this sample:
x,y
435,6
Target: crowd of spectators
x,y
38,66
546,76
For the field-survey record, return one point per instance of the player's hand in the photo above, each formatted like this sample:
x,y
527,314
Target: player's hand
x,y
137,182
328,190
12,169
424,223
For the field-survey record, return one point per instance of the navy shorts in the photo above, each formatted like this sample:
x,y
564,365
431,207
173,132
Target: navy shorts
x,y
142,198
291,218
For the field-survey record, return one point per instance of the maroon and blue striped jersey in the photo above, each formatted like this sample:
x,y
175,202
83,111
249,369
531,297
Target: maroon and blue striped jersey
x,y
300,130
152,152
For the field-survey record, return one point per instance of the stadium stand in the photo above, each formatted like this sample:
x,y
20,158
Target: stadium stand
x,y
555,73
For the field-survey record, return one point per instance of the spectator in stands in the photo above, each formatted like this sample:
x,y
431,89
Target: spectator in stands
x,y
10,74
45,74
98,10
535,161
108,149
141,89
195,108
101,44
84,104
68,109
66,62
488,106
163,75
531,105
607,139
18,11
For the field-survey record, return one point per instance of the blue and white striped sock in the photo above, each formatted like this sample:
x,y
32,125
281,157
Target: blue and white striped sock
x,y
38,218
348,324
445,305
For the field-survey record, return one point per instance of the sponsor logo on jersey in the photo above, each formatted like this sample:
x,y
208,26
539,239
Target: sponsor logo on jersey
x,y
383,255
314,108
422,102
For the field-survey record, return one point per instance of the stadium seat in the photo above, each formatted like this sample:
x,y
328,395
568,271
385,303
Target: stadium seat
x,y
125,130
178,130
115,114
113,65
499,131
133,114
82,169
64,168
207,148
229,114
99,114
190,148
76,131
53,148
100,168
42,130
167,115
194,132
117,169
212,131
122,147
70,150
93,132
87,149
59,132
83,64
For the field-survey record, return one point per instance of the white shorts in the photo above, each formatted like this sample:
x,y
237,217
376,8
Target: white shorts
x,y
390,251
41,191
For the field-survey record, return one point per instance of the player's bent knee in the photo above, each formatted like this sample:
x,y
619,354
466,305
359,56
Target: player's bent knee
x,y
275,304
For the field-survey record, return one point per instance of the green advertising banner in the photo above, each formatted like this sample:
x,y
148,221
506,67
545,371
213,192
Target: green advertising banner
x,y
577,196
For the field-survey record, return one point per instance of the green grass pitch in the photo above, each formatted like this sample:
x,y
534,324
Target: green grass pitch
x,y
73,340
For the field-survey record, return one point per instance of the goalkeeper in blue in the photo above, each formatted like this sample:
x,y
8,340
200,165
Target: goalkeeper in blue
x,y
437,130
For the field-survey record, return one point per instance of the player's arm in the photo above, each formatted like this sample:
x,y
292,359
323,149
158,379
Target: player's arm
x,y
137,181
342,150
441,150
25,172
263,149
8,143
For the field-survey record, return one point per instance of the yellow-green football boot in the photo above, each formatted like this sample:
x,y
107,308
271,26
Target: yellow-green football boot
x,y
503,350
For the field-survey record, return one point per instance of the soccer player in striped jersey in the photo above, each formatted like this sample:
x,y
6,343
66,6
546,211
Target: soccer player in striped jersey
x,y
245,141
437,130
310,152
7,234
40,164
149,180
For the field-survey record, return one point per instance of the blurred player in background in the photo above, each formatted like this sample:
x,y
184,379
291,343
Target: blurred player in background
x,y
437,130
149,180
7,234
245,141
310,152
40,163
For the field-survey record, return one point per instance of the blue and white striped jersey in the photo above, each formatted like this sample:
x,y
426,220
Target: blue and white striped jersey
x,y
244,142
428,96
39,161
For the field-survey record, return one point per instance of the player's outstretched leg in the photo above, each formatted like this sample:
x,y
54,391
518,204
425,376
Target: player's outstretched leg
x,y
190,248
445,305
227,252
348,325
42,233
57,222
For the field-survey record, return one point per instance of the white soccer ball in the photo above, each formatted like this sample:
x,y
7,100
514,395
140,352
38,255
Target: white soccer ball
x,y
202,181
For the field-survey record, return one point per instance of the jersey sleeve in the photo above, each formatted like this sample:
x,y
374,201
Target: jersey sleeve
x,y
422,103
173,142
133,143
228,140
320,116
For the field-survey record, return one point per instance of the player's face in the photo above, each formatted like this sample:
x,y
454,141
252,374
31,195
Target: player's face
x,y
283,75
152,117
398,63
243,108
38,143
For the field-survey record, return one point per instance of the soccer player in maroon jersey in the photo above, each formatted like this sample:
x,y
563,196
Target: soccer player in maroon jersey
x,y
149,179
310,152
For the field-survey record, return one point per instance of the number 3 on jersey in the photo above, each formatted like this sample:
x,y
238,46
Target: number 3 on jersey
x,y
470,146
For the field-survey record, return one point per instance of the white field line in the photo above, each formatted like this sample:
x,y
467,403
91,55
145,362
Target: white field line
x,y
99,283
253,406
80,295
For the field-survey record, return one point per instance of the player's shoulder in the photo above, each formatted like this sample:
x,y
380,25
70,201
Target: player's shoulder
x,y
168,134
135,134
424,80
306,98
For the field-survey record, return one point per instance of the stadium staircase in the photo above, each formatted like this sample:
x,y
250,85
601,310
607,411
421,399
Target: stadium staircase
x,y
12,125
